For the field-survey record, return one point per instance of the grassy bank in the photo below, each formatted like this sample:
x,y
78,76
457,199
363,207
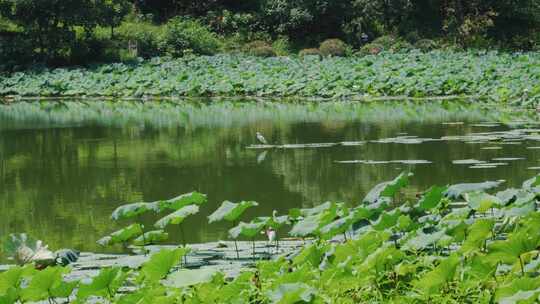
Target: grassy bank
x,y
504,77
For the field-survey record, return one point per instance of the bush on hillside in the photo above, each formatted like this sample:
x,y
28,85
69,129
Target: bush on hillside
x,y
248,47
370,49
259,48
389,43
401,46
263,51
333,47
425,44
309,52
386,41
282,46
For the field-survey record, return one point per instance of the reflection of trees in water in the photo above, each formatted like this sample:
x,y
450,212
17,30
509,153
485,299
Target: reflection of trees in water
x,y
61,178
236,113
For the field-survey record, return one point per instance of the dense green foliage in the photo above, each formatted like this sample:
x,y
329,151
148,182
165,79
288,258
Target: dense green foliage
x,y
452,244
503,77
83,31
48,27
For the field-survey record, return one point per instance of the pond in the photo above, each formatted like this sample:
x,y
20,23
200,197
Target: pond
x,y
66,165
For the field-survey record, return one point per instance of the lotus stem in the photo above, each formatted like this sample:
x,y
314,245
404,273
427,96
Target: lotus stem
x,y
236,244
143,237
253,243
277,242
183,242
237,253
522,267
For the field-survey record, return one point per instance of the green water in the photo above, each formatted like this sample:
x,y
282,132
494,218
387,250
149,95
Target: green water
x,y
64,167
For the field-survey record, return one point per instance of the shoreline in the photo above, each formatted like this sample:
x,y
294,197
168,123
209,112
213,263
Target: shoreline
x,y
211,255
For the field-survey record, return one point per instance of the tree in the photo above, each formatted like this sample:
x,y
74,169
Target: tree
x,y
308,20
49,25
112,12
377,17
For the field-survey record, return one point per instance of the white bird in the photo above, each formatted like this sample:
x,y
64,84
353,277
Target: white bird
x,y
271,235
261,138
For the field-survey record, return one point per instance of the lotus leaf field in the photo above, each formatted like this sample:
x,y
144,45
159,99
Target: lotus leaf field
x,y
463,243
503,77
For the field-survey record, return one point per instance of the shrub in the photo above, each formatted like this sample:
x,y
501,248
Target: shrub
x,y
263,51
248,47
309,52
333,47
386,41
389,43
259,48
183,36
425,44
401,46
